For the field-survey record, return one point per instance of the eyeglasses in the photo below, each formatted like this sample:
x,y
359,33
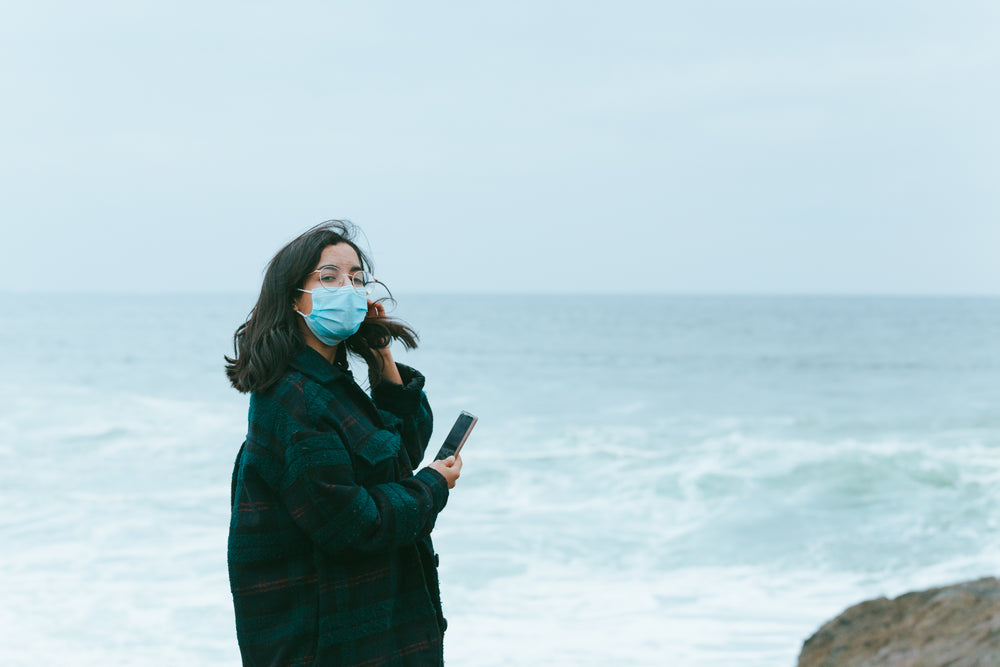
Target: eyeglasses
x,y
333,278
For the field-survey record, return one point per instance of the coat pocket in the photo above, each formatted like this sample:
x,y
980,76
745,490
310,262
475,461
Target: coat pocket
x,y
378,456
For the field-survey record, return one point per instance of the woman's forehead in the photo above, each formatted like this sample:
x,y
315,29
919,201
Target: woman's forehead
x,y
341,255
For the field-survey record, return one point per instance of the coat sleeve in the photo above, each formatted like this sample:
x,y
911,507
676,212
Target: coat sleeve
x,y
408,404
319,491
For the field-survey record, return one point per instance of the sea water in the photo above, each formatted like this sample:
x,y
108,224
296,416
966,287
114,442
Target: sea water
x,y
654,480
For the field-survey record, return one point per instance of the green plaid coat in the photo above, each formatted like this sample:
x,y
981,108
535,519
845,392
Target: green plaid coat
x,y
330,557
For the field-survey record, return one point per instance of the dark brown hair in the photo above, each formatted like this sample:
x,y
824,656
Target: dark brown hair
x,y
264,345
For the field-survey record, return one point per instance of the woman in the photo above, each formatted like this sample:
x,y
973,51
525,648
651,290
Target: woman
x,y
330,557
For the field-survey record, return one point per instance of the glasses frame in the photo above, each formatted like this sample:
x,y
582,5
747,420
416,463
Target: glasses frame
x,y
365,291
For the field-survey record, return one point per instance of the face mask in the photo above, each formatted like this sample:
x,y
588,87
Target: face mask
x,y
336,314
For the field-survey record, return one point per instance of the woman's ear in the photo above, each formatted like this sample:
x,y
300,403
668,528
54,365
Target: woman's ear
x,y
303,303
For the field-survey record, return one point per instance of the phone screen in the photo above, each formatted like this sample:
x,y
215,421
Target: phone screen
x,y
457,436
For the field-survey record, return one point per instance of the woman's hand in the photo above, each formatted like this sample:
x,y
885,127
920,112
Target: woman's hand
x,y
375,310
389,371
450,468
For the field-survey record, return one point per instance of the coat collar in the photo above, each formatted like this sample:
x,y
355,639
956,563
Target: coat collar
x,y
313,364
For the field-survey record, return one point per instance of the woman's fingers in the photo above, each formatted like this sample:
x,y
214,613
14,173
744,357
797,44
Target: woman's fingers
x,y
450,468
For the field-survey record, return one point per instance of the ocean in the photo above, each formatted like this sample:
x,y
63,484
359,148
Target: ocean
x,y
654,480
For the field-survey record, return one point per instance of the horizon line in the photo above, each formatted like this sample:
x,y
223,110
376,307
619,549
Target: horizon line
x,y
527,293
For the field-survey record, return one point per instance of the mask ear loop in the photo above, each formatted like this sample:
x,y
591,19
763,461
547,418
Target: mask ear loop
x,y
293,303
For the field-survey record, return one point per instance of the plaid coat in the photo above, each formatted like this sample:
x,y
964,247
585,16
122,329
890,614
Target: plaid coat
x,y
330,557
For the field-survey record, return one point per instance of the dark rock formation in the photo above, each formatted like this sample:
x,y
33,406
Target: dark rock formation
x,y
953,626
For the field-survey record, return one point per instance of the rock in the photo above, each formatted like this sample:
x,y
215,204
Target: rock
x,y
957,626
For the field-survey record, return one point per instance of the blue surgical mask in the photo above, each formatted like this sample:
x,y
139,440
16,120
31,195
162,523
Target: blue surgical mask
x,y
336,314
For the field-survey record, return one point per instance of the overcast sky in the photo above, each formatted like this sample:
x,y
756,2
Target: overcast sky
x,y
704,146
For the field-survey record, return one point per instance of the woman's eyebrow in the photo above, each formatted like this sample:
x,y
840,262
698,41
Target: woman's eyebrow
x,y
334,266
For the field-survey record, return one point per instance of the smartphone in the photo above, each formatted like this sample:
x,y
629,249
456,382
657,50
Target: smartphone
x,y
458,435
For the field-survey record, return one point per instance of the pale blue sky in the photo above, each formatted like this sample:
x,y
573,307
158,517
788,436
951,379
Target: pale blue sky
x,y
769,146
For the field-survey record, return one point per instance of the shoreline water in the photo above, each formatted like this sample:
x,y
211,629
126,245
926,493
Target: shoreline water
x,y
704,478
